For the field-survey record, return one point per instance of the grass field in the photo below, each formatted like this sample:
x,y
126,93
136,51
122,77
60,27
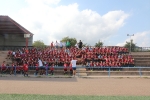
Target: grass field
x,y
69,97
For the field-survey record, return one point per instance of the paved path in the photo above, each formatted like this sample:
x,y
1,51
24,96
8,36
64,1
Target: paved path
x,y
76,86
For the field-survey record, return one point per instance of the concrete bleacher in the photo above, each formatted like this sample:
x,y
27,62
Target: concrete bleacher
x,y
3,56
141,59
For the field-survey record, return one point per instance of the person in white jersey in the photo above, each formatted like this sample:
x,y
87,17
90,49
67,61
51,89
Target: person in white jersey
x,y
41,66
73,62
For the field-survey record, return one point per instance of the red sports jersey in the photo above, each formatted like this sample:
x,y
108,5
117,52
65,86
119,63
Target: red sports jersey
x,y
52,68
25,67
65,66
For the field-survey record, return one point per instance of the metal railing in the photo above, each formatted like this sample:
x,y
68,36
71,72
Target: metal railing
x,y
13,48
141,49
108,70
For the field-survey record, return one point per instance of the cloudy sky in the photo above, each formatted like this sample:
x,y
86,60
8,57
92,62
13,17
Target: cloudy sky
x,y
88,20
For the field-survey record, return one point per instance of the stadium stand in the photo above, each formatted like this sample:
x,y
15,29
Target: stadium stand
x,y
87,56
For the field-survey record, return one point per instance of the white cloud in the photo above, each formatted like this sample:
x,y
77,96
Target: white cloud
x,y
51,23
142,39
35,2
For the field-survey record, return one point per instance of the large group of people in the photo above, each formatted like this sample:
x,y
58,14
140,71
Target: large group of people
x,y
54,56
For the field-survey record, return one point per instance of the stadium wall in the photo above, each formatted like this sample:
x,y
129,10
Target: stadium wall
x,y
14,40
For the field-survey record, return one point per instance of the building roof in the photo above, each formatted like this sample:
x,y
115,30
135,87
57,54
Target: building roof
x,y
9,26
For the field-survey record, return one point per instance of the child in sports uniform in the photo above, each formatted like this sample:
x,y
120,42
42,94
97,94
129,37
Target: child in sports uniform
x,y
65,68
52,69
25,67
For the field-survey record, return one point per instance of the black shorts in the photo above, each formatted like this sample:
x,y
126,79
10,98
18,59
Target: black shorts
x,y
41,68
74,68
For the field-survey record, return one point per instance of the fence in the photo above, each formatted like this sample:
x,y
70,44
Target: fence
x,y
108,70
141,49
136,49
13,48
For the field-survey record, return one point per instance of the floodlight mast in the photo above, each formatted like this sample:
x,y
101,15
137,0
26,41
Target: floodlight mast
x,y
130,40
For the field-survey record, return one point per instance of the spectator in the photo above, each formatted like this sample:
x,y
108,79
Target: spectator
x,y
56,45
3,67
41,66
61,45
71,70
65,68
80,44
67,44
12,68
25,67
52,45
52,69
73,62
76,45
36,68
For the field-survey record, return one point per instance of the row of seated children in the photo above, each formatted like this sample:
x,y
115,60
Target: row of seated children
x,y
23,69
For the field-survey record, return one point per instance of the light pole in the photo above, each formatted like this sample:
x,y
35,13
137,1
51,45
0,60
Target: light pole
x,y
130,40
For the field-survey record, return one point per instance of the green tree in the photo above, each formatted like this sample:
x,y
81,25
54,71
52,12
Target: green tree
x,y
99,44
39,44
72,41
133,45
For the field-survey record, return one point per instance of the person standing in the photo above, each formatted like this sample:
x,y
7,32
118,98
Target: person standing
x,y
80,44
25,67
52,69
41,66
3,67
61,45
73,62
67,44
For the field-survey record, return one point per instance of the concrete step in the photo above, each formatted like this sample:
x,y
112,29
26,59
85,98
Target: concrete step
x,y
142,61
140,53
82,74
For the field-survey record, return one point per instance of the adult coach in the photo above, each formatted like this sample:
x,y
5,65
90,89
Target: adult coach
x,y
73,62
80,44
41,66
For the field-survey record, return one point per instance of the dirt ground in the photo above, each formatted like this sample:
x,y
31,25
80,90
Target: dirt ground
x,y
76,86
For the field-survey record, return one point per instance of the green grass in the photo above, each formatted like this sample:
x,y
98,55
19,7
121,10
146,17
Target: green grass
x,y
68,97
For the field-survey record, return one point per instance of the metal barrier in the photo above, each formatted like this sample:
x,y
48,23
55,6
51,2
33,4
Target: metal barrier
x,y
13,48
141,49
107,69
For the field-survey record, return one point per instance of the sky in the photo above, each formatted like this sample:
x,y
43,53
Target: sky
x,y
90,21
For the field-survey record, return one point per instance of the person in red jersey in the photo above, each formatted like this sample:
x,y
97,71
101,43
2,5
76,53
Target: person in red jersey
x,y
71,70
25,68
91,65
65,68
12,68
52,45
36,68
9,55
3,67
52,69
